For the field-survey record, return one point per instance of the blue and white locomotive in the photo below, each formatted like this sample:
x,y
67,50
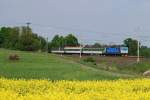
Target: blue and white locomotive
x,y
116,51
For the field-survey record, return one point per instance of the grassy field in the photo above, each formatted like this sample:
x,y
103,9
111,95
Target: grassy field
x,y
42,76
127,65
50,66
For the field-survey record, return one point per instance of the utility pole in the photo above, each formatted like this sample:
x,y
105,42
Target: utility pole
x,y
20,31
138,51
40,45
28,24
47,44
138,46
80,51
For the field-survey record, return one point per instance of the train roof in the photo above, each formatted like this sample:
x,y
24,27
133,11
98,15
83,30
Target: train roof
x,y
71,47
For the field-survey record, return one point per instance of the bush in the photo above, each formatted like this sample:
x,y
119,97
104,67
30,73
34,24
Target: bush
x,y
145,52
13,57
89,59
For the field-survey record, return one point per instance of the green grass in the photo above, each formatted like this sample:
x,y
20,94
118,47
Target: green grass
x,y
138,68
49,66
122,65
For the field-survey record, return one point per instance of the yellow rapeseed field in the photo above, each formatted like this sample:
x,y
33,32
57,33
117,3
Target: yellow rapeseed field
x,y
138,89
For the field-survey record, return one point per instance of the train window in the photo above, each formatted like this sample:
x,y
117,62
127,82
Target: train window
x,y
72,49
93,49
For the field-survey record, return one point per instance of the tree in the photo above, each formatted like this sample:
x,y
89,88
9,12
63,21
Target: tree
x,y
1,39
145,51
9,37
71,40
4,34
55,43
21,38
61,41
13,38
28,41
97,45
43,43
132,45
50,47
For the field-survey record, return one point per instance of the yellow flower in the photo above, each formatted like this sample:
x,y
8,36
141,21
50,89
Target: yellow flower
x,y
138,89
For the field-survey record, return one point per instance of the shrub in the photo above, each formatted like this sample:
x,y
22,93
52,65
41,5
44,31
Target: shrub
x,y
89,59
13,57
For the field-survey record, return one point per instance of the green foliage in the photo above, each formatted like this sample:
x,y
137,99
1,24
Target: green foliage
x,y
89,59
43,43
1,39
12,39
145,51
132,45
97,45
56,42
29,41
71,40
5,32
60,41
21,38
49,47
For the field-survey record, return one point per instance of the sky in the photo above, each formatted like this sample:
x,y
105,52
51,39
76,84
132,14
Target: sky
x,y
103,21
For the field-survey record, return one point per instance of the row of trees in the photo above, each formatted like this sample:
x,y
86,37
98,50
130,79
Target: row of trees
x,y
22,38
61,41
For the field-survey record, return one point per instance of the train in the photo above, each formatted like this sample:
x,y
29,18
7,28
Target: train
x,y
122,51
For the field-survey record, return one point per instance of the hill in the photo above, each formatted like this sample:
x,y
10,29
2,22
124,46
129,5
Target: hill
x,y
49,66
